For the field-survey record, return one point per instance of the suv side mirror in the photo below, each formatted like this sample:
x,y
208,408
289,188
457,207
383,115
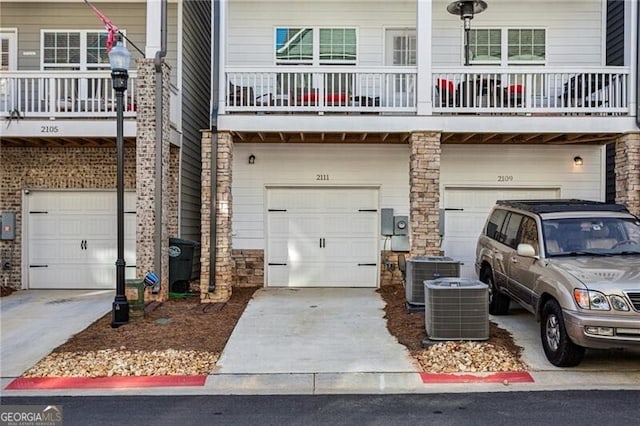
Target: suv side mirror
x,y
526,250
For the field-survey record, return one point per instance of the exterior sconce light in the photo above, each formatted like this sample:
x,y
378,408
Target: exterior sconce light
x,y
577,161
465,10
252,159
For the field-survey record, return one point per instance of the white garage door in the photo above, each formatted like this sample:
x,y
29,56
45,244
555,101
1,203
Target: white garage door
x,y
72,239
322,237
466,211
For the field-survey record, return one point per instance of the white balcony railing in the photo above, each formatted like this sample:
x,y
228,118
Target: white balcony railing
x,y
460,90
54,94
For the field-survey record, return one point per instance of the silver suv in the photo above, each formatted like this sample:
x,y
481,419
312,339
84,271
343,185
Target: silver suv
x,y
574,264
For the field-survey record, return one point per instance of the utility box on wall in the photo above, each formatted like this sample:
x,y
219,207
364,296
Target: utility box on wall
x,y
8,226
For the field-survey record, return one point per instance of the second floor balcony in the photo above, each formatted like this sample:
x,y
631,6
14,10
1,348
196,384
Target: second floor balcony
x,y
447,91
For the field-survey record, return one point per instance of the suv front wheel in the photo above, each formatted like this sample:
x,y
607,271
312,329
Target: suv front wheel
x,y
498,301
558,347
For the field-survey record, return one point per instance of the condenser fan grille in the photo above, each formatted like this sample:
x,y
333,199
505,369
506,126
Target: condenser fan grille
x,y
456,309
422,268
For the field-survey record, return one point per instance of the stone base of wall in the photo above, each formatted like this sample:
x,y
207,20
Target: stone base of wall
x,y
248,270
393,276
628,172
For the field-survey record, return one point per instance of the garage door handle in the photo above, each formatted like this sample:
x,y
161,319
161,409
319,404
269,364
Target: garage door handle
x,y
367,264
277,264
277,210
368,210
454,210
38,266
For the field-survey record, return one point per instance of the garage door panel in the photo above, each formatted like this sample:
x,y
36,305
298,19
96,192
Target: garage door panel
x,y
322,237
43,226
355,224
51,251
466,210
75,236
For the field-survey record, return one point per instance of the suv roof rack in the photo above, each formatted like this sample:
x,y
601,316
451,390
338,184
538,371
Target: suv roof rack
x,y
561,205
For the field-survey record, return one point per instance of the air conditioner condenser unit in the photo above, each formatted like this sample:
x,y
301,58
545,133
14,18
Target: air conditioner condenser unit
x,y
456,309
421,268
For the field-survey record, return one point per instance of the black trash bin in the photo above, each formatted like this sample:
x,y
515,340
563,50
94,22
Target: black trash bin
x,y
181,256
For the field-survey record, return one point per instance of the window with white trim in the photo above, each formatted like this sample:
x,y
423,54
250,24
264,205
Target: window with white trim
x,y
315,46
74,50
507,46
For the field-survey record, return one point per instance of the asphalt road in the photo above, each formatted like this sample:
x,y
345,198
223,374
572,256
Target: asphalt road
x,y
512,408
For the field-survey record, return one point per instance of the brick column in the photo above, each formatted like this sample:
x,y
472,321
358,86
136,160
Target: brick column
x,y
224,260
424,193
146,176
628,172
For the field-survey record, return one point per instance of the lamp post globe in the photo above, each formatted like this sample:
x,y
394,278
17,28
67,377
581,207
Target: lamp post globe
x,y
119,59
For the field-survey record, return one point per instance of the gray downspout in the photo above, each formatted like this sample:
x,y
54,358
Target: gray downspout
x,y
215,79
158,61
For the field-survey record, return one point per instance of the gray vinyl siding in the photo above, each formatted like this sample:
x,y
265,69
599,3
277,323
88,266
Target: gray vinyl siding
x,y
615,32
196,93
31,18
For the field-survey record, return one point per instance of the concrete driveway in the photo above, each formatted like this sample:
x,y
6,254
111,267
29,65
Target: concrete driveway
x,y
598,366
314,330
34,322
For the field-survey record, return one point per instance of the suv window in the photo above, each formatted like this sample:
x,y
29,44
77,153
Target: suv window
x,y
495,223
509,234
529,233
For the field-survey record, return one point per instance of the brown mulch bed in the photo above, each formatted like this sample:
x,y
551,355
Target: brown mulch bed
x,y
182,324
5,291
409,327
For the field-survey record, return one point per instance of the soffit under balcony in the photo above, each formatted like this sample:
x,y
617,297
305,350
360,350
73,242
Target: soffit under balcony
x,y
63,142
446,138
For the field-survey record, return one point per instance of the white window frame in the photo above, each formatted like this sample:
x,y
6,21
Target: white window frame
x,y
504,47
315,61
83,65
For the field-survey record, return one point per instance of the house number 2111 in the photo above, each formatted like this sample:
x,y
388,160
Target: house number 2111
x,y
322,177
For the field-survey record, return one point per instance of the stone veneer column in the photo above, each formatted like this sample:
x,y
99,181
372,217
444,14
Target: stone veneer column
x,y
424,193
224,260
146,176
628,172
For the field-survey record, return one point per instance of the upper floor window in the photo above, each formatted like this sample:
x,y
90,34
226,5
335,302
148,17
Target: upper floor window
x,y
74,49
316,46
507,46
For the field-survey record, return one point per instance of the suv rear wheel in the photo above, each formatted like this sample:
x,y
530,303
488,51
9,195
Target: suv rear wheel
x,y
498,301
558,347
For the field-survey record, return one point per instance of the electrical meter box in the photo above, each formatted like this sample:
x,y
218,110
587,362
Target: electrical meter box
x,y
8,226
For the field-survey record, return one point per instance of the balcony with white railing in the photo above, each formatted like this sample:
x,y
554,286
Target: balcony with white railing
x,y
393,90
63,94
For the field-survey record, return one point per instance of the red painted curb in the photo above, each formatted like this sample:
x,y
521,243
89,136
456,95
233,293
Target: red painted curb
x,y
113,382
511,377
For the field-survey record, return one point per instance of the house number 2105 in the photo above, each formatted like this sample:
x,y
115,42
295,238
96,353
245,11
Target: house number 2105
x,y
322,177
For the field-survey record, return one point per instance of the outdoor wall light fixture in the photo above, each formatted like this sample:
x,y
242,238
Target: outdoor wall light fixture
x,y
252,159
465,10
577,160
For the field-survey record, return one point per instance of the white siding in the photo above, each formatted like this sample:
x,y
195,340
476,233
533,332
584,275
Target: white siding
x,y
530,166
574,28
280,165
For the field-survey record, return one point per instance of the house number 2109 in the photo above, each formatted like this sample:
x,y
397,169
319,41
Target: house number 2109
x,y
322,177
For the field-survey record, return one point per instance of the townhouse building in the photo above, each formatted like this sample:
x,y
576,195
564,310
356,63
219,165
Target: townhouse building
x,y
331,114
312,142
58,139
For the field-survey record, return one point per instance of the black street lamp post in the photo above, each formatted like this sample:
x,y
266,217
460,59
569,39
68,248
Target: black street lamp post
x,y
119,58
